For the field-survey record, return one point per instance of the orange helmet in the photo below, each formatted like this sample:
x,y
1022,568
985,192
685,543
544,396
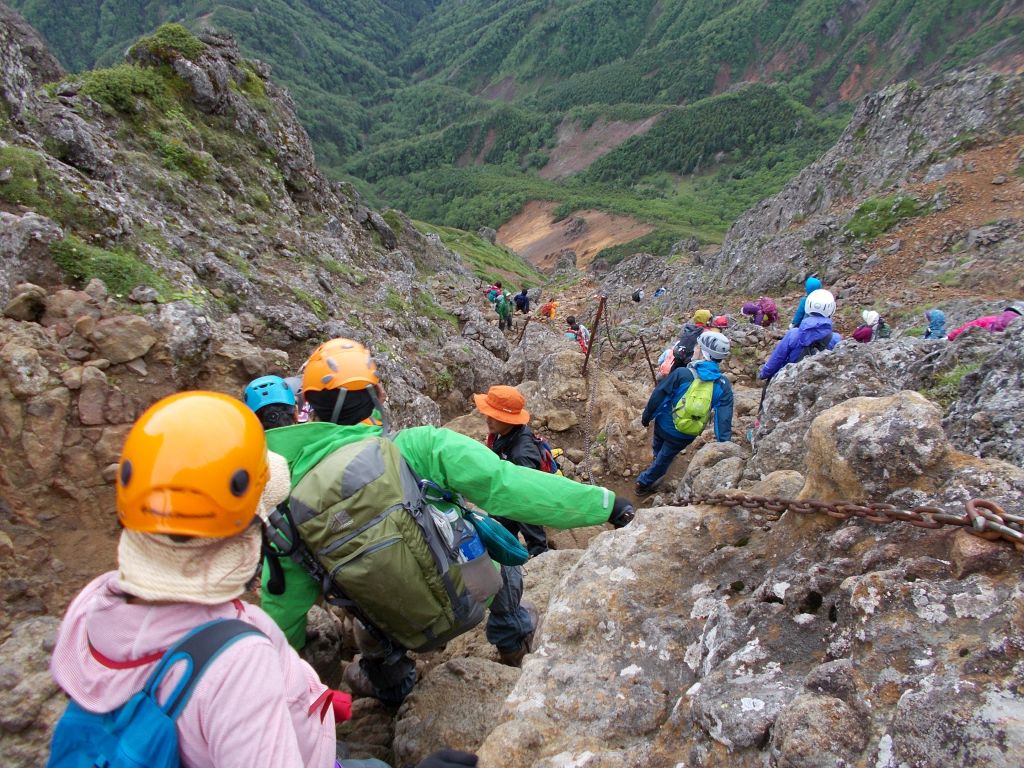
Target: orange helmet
x,y
194,464
339,364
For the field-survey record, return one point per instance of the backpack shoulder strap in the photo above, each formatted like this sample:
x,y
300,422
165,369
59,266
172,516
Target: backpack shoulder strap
x,y
198,648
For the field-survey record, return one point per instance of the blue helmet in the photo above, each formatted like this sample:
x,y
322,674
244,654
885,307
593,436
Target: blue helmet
x,y
812,283
268,390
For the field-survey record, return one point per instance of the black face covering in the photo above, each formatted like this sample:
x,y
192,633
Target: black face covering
x,y
357,407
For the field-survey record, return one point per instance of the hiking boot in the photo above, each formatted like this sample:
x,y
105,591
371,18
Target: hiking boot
x,y
515,656
358,681
642,490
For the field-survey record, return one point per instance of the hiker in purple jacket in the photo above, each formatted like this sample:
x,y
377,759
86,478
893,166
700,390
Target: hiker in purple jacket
x,y
813,335
762,312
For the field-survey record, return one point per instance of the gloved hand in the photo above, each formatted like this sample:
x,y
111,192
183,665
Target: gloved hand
x,y
622,513
447,758
646,422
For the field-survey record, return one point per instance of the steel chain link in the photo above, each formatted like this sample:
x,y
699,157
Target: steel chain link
x,y
982,518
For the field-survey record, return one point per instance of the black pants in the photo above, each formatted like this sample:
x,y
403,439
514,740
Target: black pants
x,y
534,536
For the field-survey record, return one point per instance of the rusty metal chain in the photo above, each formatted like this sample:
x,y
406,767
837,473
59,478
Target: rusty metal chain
x,y
982,518
588,416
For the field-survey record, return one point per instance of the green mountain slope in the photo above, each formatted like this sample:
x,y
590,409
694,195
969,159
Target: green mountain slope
x,y
452,109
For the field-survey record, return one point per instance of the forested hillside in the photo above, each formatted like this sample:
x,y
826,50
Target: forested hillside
x,y
680,113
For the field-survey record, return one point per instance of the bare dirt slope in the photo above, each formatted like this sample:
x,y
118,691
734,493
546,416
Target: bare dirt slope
x,y
534,234
577,149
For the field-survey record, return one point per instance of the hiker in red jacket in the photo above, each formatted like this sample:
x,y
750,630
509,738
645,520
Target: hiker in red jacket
x,y
994,323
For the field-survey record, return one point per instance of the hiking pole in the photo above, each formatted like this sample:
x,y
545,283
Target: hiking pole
x,y
523,332
647,357
597,324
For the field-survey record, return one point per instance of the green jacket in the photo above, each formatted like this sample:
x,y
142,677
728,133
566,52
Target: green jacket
x,y
453,461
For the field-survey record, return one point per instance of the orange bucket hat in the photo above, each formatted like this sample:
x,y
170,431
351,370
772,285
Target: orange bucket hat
x,y
504,404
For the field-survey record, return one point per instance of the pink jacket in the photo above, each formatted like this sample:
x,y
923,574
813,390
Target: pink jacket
x,y
994,323
250,708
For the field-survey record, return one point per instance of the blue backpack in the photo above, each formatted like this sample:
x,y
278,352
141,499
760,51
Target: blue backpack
x,y
142,733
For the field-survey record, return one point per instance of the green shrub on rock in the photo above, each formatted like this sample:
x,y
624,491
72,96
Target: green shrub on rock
x,y
119,270
167,41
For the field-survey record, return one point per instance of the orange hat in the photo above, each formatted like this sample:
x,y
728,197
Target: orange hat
x,y
504,404
194,464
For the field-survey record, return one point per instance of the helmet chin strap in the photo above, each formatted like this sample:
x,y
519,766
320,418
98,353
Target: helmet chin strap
x,y
385,426
338,405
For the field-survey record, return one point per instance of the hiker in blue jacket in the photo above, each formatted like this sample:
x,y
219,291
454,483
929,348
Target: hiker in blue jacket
x,y
813,335
668,441
936,324
811,284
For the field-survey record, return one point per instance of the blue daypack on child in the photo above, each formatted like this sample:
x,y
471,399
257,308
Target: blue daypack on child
x,y
142,733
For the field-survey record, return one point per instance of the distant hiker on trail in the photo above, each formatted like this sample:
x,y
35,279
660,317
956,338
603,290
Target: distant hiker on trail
x,y
272,400
680,407
493,291
994,323
547,310
762,312
660,292
509,435
868,330
579,332
638,295
522,301
430,576
810,284
683,350
936,320
503,306
814,334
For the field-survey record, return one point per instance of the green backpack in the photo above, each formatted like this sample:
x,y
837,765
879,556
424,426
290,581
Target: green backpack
x,y
690,413
381,547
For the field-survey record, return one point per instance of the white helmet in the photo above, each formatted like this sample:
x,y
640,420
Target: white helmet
x,y
820,302
1017,306
714,345
870,317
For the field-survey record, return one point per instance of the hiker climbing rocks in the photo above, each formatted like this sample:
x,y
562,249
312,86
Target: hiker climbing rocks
x,y
936,320
638,295
720,322
811,284
874,327
762,312
272,400
814,334
547,310
522,301
994,323
503,306
509,435
192,480
398,604
681,405
683,350
578,332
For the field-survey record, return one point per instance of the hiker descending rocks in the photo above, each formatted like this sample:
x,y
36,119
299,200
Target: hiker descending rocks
x,y
394,545
577,331
994,323
272,400
638,295
874,327
493,290
522,301
503,306
811,284
812,336
509,435
936,320
762,312
683,350
681,405
192,479
547,310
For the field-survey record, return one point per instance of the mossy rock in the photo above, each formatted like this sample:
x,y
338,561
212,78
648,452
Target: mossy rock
x,y
167,43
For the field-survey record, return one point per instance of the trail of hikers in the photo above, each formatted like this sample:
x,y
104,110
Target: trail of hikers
x,y
418,535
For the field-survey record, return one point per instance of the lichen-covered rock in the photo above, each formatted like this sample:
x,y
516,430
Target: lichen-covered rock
x,y
30,702
23,241
988,416
25,62
123,338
